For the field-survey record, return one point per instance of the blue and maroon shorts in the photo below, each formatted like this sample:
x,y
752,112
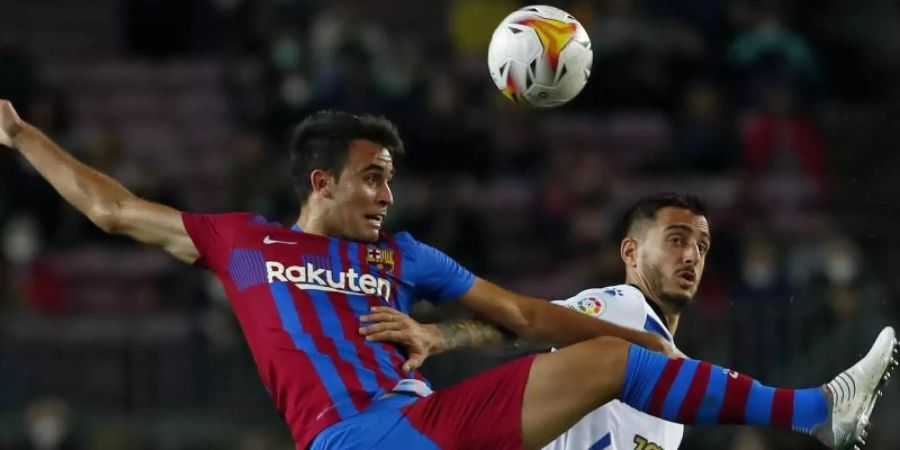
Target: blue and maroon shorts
x,y
483,412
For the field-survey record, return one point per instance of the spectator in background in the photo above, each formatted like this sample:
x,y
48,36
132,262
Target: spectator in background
x,y
249,173
447,138
628,65
762,288
518,145
780,141
350,53
705,140
844,289
777,77
34,279
16,72
49,109
767,52
761,276
17,81
251,185
48,426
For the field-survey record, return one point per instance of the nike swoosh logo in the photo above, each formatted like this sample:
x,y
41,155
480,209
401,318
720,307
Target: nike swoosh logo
x,y
268,241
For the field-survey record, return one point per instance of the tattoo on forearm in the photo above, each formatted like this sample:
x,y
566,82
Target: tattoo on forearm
x,y
470,333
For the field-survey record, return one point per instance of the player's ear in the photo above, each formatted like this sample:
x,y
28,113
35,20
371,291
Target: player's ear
x,y
322,182
628,251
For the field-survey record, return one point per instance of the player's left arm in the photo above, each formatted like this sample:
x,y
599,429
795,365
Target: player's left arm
x,y
505,317
537,321
439,278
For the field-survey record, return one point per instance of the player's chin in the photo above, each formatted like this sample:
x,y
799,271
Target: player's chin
x,y
679,296
369,234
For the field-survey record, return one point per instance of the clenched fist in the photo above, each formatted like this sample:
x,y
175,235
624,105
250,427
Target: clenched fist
x,y
10,123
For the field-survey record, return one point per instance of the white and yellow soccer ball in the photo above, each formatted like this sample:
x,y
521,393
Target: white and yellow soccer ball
x,y
540,55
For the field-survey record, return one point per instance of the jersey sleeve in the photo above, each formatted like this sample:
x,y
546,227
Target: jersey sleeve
x,y
612,304
213,235
438,277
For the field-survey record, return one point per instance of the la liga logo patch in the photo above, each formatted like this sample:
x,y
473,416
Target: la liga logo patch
x,y
592,306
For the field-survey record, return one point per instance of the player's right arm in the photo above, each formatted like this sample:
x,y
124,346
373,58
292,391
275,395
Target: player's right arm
x,y
104,201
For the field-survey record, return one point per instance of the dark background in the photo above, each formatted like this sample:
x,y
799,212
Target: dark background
x,y
780,115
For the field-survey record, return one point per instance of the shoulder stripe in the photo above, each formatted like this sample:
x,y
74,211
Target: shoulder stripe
x,y
603,443
246,267
257,219
653,326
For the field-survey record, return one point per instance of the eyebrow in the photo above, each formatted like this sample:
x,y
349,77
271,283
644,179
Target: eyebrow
x,y
703,234
375,167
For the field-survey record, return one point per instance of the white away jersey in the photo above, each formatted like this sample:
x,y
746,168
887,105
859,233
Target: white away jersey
x,y
615,425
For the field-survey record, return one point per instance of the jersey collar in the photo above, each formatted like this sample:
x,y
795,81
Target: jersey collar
x,y
653,306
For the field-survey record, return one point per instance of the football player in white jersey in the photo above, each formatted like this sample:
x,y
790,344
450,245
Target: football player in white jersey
x,y
665,240
654,232
615,425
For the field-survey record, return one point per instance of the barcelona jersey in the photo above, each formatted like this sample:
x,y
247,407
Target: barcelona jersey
x,y
298,298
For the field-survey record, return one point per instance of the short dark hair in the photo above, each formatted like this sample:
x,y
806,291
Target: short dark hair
x,y
322,141
646,208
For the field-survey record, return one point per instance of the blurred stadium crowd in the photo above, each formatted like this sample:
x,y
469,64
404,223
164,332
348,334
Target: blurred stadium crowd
x,y
777,113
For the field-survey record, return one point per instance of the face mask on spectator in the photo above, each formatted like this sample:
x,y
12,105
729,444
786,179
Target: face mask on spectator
x,y
841,267
20,240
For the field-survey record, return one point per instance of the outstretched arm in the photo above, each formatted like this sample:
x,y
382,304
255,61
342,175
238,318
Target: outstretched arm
x,y
539,321
104,201
423,340
470,333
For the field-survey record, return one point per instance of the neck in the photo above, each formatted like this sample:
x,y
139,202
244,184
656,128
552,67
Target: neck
x,y
311,222
671,318
671,313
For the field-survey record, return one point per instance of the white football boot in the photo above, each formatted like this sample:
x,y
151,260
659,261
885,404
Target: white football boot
x,y
852,394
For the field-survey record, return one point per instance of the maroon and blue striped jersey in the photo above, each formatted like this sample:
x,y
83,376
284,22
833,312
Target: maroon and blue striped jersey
x,y
298,298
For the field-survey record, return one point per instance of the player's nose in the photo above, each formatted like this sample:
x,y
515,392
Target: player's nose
x,y
691,255
385,196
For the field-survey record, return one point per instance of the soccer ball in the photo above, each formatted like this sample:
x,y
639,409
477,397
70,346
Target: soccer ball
x,y
540,55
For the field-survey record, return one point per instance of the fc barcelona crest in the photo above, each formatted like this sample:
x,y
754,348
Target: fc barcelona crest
x,y
382,258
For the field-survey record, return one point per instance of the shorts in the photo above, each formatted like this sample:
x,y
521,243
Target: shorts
x,y
483,412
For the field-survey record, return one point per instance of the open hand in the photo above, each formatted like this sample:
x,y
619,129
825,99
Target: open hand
x,y
389,325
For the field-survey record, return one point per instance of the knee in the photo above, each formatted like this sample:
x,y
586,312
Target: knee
x,y
610,351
